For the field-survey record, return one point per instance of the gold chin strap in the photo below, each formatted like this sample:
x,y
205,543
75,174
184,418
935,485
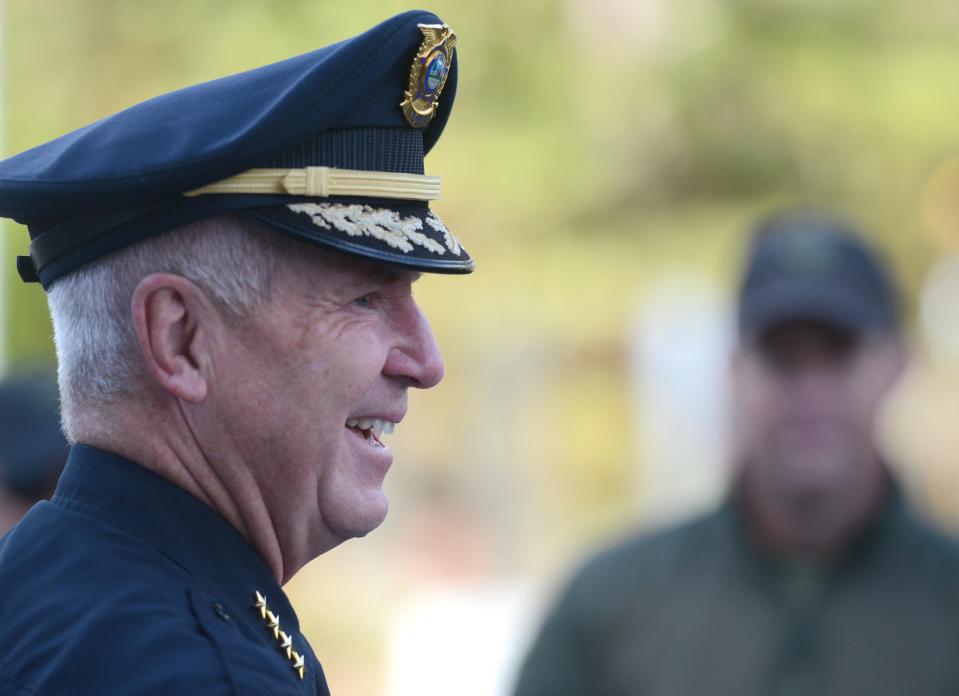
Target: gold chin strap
x,y
323,182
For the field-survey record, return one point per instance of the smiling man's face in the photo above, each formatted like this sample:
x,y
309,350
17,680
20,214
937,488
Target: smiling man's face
x,y
315,381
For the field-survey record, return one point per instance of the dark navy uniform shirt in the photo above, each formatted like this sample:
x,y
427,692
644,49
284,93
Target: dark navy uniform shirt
x,y
125,583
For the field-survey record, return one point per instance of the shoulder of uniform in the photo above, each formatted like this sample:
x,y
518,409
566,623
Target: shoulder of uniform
x,y
162,629
129,640
64,532
136,640
14,686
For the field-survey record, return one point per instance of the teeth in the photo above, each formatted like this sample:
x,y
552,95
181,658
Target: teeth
x,y
377,425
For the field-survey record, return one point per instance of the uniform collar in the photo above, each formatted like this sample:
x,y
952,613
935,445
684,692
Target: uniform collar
x,y
180,526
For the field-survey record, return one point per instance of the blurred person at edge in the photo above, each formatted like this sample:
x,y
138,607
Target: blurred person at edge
x,y
33,450
814,576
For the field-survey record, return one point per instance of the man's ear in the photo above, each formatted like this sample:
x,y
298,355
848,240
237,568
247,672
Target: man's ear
x,y
176,324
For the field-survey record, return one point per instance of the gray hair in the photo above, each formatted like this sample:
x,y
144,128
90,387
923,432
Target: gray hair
x,y
98,356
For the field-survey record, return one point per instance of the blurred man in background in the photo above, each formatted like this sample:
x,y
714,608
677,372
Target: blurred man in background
x,y
32,448
814,576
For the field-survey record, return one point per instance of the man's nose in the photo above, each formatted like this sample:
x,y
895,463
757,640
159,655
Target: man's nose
x,y
416,357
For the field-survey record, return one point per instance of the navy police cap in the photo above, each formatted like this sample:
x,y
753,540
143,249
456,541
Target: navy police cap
x,y
327,147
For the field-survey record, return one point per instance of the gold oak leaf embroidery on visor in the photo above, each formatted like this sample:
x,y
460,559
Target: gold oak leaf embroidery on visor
x,y
388,226
452,243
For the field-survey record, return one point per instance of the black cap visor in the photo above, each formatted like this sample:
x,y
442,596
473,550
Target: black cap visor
x,y
407,235
835,306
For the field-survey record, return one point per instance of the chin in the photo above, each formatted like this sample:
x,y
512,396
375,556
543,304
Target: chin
x,y
812,474
360,519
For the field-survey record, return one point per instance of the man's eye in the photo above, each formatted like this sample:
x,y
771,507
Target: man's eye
x,y
366,301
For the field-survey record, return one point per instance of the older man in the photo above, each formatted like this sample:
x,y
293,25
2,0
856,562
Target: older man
x,y
814,577
230,272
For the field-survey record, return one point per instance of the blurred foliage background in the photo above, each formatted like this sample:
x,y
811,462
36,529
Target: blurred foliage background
x,y
604,162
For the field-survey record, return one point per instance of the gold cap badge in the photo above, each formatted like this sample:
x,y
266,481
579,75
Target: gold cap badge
x,y
431,67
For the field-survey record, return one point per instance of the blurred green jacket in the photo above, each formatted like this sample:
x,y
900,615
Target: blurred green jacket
x,y
698,610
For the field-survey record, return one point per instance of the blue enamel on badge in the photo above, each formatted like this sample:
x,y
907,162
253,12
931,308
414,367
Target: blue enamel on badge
x,y
431,67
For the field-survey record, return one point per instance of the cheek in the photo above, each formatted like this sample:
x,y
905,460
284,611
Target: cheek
x,y
750,417
757,400
338,373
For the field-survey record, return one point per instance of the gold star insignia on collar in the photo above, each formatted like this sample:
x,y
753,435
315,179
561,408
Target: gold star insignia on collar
x,y
260,604
283,638
273,622
298,666
286,644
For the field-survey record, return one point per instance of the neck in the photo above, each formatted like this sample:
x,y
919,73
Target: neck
x,y
815,531
166,444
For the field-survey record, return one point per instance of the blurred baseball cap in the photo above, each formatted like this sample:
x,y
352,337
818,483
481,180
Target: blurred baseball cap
x,y
809,266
